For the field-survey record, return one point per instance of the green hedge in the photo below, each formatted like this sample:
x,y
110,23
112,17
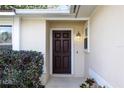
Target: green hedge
x,y
2,7
20,68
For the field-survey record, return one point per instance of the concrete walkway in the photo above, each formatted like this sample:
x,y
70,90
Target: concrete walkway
x,y
64,82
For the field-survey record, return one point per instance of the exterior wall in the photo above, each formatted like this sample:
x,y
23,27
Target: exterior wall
x,y
6,20
106,57
33,35
78,59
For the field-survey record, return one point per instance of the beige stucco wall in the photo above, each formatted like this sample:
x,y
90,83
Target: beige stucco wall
x,y
33,35
106,55
78,59
6,20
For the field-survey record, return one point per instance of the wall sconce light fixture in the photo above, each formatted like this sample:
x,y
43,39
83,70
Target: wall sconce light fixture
x,y
78,35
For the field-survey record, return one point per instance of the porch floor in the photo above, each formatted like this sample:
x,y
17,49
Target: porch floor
x,y
64,82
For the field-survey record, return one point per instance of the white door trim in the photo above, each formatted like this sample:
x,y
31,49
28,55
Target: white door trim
x,y
72,49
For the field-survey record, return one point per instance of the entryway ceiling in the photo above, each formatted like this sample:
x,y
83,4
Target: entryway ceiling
x,y
85,10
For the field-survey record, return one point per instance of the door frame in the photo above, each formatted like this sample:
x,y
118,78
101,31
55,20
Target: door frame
x,y
51,52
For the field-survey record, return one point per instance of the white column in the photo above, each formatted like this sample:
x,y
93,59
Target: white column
x,y
16,33
45,64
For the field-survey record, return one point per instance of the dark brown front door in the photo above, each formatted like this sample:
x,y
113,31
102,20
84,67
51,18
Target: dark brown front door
x,y
62,52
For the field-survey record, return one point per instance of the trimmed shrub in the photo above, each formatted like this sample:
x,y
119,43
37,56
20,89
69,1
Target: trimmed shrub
x,y
21,69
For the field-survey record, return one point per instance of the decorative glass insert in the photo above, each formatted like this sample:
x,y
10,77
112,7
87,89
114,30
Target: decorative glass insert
x,y
86,32
86,39
85,43
5,34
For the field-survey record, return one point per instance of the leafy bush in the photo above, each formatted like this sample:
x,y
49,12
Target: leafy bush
x,y
90,83
20,68
4,7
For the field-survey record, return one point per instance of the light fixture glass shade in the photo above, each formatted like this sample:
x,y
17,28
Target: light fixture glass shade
x,y
78,35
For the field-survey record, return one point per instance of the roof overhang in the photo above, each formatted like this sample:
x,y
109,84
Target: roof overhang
x,y
75,11
41,11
